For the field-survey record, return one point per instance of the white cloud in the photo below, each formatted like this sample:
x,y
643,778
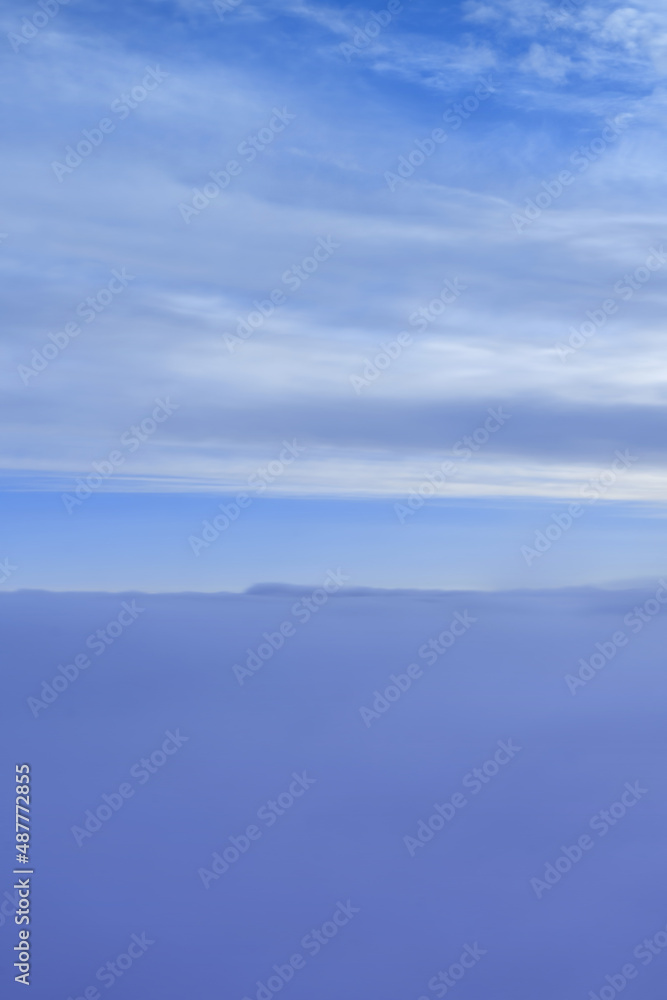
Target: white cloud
x,y
546,63
452,217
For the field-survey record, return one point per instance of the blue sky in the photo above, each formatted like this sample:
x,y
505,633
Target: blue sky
x,y
339,331
366,287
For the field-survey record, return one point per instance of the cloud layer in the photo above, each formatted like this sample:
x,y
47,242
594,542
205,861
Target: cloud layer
x,y
349,164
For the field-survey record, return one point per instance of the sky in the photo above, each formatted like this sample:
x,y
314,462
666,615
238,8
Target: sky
x,y
333,497
431,266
